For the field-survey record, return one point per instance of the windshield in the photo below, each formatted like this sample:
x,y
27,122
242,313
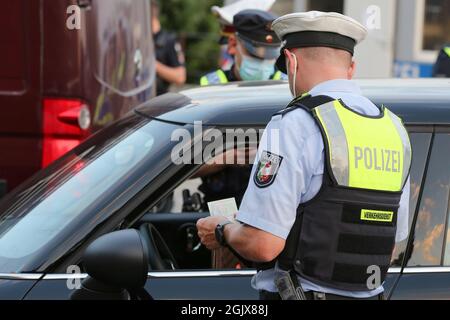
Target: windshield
x,y
47,209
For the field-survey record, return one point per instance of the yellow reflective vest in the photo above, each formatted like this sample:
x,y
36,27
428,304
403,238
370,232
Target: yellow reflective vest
x,y
219,77
349,228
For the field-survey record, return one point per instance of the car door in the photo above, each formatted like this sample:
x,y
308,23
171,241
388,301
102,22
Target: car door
x,y
191,282
233,284
202,285
426,273
195,279
236,284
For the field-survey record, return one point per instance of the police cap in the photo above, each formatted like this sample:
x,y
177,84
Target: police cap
x,y
317,29
227,13
253,28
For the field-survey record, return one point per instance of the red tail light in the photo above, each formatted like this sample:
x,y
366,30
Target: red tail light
x,y
66,124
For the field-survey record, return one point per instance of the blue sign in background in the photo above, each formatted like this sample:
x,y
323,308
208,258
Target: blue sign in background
x,y
411,69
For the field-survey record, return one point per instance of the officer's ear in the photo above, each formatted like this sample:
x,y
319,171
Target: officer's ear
x,y
232,45
290,61
351,70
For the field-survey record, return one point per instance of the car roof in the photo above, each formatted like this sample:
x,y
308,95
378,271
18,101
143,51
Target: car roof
x,y
416,101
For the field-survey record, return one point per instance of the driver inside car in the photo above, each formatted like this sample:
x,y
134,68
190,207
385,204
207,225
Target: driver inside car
x,y
226,176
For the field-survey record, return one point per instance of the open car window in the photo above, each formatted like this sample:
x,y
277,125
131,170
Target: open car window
x,y
225,176
176,215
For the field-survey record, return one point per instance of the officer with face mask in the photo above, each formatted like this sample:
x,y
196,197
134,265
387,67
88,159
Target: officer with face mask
x,y
225,17
329,192
255,48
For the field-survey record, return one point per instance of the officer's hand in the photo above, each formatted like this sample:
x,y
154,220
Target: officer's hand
x,y
206,231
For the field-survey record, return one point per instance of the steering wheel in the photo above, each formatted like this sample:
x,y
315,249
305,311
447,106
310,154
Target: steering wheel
x,y
159,255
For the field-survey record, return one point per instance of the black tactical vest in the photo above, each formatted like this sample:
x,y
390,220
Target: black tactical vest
x,y
330,243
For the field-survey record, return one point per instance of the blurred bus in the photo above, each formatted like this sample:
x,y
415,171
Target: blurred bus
x,y
67,69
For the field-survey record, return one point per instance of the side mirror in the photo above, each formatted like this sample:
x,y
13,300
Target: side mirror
x,y
116,263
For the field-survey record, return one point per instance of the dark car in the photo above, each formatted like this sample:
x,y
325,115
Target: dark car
x,y
59,84
93,211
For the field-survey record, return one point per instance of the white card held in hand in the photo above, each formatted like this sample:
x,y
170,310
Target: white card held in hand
x,y
225,208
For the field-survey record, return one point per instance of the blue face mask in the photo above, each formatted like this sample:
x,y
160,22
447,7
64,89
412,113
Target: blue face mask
x,y
253,69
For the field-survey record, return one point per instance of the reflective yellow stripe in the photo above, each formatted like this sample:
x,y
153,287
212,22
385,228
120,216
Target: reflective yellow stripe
x,y
219,75
365,153
299,98
338,151
277,75
406,143
222,76
304,95
204,81
376,215
447,51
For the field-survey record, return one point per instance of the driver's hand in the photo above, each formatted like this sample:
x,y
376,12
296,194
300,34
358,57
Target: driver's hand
x,y
206,231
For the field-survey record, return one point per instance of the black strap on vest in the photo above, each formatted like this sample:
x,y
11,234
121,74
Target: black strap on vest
x,y
308,103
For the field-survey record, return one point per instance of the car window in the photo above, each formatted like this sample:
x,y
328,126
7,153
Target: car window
x,y
431,221
70,196
420,143
222,177
217,180
62,206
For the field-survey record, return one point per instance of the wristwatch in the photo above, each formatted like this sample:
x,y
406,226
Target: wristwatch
x,y
220,233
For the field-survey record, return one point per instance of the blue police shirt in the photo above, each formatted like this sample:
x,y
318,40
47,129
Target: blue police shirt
x,y
297,138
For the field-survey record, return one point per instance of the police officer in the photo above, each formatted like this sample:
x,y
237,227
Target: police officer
x,y
326,203
170,68
442,67
225,16
255,49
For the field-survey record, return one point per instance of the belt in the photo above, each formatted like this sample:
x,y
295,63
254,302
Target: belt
x,y
311,295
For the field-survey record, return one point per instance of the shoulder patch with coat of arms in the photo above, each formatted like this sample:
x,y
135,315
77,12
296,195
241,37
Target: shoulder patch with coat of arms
x,y
267,169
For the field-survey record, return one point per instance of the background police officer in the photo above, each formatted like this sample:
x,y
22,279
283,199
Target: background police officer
x,y
225,16
255,49
442,67
322,242
170,68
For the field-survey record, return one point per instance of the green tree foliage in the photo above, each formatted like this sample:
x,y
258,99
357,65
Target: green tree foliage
x,y
198,30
